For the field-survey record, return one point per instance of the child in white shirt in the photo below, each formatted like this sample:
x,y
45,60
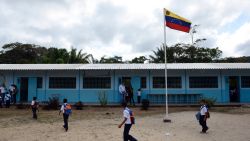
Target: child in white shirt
x,y
203,116
7,98
139,96
34,107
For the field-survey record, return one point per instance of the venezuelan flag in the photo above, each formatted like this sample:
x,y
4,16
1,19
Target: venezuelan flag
x,y
176,22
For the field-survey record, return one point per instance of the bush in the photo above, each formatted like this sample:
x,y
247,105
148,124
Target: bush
x,y
103,99
145,104
79,105
52,104
209,101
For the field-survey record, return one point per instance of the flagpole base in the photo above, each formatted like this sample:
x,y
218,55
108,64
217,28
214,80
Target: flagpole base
x,y
166,120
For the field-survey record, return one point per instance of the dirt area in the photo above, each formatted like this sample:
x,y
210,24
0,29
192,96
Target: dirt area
x,y
100,124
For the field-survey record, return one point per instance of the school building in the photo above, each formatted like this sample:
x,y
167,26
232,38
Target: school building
x,y
187,82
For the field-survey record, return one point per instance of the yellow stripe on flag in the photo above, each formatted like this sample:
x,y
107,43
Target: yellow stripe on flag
x,y
171,14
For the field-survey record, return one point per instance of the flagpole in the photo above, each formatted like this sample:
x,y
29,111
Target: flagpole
x,y
177,24
166,119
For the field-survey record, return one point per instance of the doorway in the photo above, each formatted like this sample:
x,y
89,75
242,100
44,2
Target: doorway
x,y
126,81
234,94
24,89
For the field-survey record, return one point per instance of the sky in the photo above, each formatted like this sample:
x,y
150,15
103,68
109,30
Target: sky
x,y
127,28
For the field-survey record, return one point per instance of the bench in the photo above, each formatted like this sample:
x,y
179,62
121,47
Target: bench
x,y
175,98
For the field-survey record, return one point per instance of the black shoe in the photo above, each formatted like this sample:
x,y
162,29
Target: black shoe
x,y
202,132
66,129
206,129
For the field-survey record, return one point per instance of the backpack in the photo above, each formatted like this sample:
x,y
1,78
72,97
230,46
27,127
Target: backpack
x,y
36,105
198,115
132,118
208,114
67,109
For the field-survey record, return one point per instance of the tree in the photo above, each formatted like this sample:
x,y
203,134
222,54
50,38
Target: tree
x,y
186,53
115,59
54,54
140,59
158,55
18,53
243,59
79,57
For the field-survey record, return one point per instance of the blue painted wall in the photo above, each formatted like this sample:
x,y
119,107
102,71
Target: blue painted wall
x,y
32,88
221,94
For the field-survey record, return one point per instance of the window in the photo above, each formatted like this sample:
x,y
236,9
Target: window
x,y
62,82
173,82
97,82
245,81
203,82
143,82
39,82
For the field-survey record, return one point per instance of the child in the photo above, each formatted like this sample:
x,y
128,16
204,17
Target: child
x,y
66,110
3,92
7,100
1,100
34,106
128,121
139,96
203,116
122,91
13,93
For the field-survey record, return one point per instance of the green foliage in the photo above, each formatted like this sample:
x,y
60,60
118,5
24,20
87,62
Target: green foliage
x,y
18,53
79,105
79,57
103,99
115,59
140,59
59,61
158,55
55,55
209,101
186,53
145,104
243,59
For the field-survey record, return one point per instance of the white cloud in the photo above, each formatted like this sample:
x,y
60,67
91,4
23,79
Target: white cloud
x,y
229,42
123,28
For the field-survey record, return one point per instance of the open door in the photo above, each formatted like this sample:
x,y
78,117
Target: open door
x,y
234,93
24,89
127,81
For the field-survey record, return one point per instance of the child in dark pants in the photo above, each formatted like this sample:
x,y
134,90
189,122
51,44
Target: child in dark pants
x,y
34,107
203,116
128,123
1,101
64,109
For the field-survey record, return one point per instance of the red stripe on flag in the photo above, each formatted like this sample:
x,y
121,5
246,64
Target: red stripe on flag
x,y
178,27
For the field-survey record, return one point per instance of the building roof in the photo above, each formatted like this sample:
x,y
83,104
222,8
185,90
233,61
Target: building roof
x,y
173,66
39,66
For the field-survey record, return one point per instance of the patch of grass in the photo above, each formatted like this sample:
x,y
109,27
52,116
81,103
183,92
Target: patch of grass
x,y
103,99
